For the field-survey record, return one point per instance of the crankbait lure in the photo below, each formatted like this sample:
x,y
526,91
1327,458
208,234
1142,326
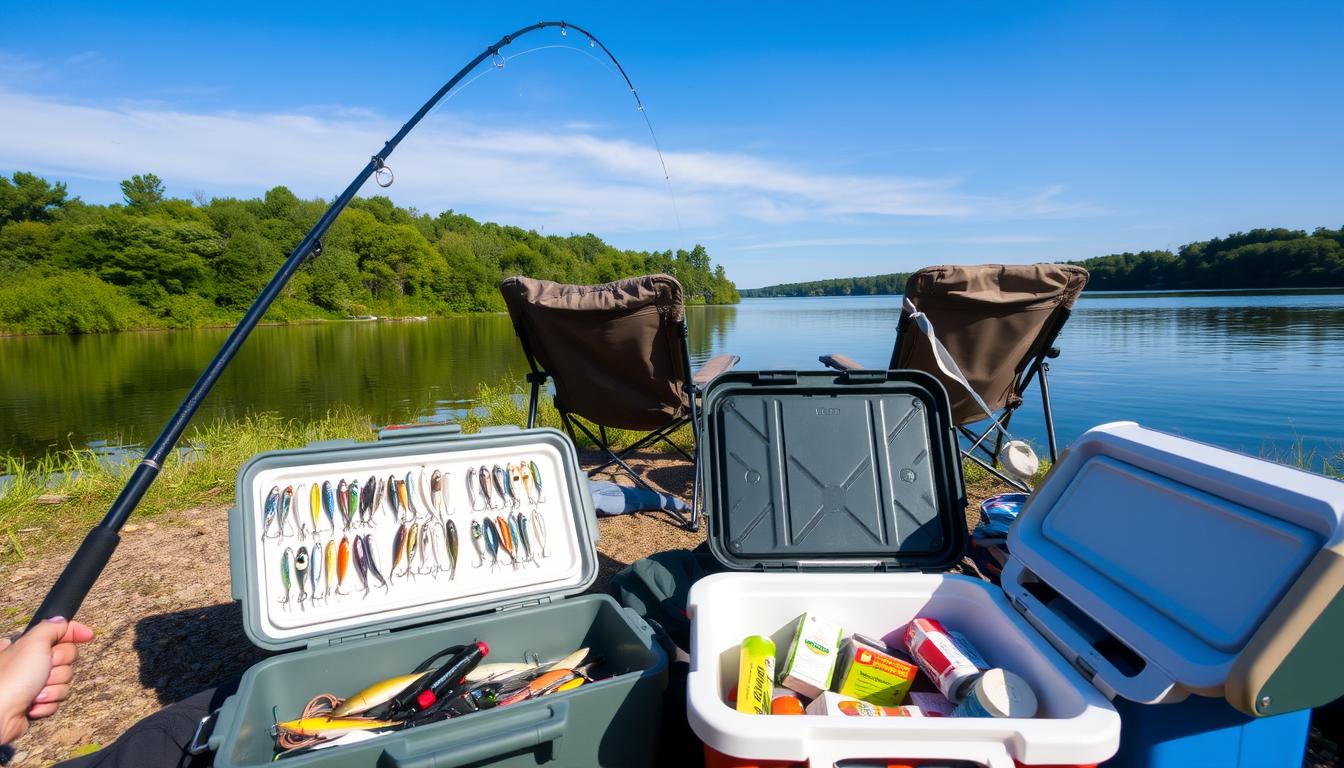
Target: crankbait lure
x,y
425,499
298,518
478,543
450,533
329,505
527,483
315,506
403,501
539,530
367,496
301,574
483,475
315,573
515,537
270,512
516,488
497,474
492,542
410,496
331,568
471,489
522,537
412,546
361,564
536,480
446,497
284,573
393,497
373,696
436,492
286,504
506,539
371,559
430,550
379,496
343,502
351,502
342,564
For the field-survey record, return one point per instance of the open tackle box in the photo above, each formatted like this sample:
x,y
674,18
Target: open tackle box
x,y
342,643
1145,568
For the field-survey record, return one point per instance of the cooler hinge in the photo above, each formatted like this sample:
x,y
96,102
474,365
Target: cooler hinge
x,y
1085,667
324,642
777,377
524,604
865,376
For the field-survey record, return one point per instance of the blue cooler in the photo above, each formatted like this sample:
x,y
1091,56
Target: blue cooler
x,y
1198,588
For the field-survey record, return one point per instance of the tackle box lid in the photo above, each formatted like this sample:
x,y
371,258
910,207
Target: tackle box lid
x,y
1162,566
567,512
826,471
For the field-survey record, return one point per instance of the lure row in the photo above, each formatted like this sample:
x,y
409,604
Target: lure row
x,y
408,499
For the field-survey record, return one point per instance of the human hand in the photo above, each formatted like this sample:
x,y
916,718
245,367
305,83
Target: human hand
x,y
35,673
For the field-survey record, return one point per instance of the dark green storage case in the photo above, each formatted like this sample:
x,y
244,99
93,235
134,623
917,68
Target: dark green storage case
x,y
349,644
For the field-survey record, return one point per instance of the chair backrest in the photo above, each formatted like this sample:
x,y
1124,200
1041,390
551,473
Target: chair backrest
x,y
615,351
995,320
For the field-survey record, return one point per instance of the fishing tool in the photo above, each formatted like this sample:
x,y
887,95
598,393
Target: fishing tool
x,y
403,504
523,537
351,502
539,530
371,560
536,480
315,506
88,562
330,570
398,549
436,492
410,496
483,476
492,542
361,564
367,496
286,506
315,572
471,490
412,547
270,512
301,574
329,505
284,573
497,476
450,534
478,543
443,683
342,564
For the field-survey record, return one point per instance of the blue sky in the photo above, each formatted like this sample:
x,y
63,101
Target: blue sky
x,y
800,146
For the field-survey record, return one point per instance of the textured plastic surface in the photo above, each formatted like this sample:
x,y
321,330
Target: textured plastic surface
x,y
1176,549
254,561
612,722
832,471
1207,733
1077,725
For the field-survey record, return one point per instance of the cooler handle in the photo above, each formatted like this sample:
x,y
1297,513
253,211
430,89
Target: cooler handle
x,y
987,754
223,721
415,431
499,734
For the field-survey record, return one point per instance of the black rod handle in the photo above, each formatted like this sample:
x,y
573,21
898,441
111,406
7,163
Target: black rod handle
x,y
69,591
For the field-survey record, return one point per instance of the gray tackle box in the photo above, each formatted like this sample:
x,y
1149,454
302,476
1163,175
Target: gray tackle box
x,y
353,641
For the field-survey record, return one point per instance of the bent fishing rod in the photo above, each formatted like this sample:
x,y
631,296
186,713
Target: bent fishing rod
x,y
88,562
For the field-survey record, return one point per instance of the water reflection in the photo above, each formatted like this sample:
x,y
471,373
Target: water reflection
x,y
1245,370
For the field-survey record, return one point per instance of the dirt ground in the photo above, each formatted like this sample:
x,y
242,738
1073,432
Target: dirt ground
x,y
168,627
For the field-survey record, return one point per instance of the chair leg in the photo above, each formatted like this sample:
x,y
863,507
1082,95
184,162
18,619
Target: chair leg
x,y
1018,484
1049,414
532,404
612,457
694,524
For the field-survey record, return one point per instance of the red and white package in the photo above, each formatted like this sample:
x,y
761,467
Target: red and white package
x,y
948,660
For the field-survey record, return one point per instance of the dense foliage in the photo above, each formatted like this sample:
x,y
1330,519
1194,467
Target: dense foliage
x,y
1261,258
875,285
154,261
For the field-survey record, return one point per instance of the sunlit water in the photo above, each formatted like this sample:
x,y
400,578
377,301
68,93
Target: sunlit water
x,y
1254,372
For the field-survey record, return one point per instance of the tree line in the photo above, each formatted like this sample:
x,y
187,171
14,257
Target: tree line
x,y
159,262
1260,258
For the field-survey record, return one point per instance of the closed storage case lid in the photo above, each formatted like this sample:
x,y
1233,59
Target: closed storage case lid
x,y
819,470
273,615
1180,551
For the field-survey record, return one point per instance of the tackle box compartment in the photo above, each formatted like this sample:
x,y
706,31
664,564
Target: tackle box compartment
x,y
842,495
347,643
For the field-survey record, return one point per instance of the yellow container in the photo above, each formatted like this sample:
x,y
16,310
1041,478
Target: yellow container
x,y
756,675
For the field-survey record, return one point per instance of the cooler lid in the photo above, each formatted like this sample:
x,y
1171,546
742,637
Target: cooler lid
x,y
827,471
1173,551
563,506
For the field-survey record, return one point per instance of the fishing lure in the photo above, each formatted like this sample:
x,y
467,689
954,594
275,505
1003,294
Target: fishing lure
x,y
284,573
329,505
270,511
330,569
315,506
509,490
422,485
446,497
375,695
436,492
301,574
516,486
539,531
393,497
429,550
361,563
523,537
343,502
412,546
351,502
527,483
315,573
342,564
379,496
536,480
471,490
367,496
450,534
403,501
492,542
478,543
506,539
409,501
497,475
483,475
286,505
298,518
515,537
398,549
371,559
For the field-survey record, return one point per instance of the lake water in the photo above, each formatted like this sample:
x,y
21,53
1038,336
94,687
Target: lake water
x,y
1250,371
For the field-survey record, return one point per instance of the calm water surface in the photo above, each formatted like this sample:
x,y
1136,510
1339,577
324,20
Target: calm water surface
x,y
1254,372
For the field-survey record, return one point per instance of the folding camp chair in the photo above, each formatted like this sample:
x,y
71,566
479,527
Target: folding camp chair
x,y
619,356
997,324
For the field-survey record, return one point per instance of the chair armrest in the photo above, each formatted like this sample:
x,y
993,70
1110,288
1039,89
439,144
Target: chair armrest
x,y
839,363
713,368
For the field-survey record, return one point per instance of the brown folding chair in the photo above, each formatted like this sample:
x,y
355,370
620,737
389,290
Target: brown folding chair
x,y
999,323
619,357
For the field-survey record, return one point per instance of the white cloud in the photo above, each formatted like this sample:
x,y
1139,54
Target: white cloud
x,y
833,242
567,179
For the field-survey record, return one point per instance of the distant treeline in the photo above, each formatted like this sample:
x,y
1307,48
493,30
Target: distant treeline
x,y
1260,258
156,262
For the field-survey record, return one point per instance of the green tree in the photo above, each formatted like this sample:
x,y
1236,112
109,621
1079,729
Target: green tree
x,y
27,197
142,191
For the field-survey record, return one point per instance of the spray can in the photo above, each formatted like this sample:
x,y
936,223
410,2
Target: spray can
x,y
952,665
756,675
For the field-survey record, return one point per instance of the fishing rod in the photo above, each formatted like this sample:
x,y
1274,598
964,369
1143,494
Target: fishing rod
x,y
88,562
